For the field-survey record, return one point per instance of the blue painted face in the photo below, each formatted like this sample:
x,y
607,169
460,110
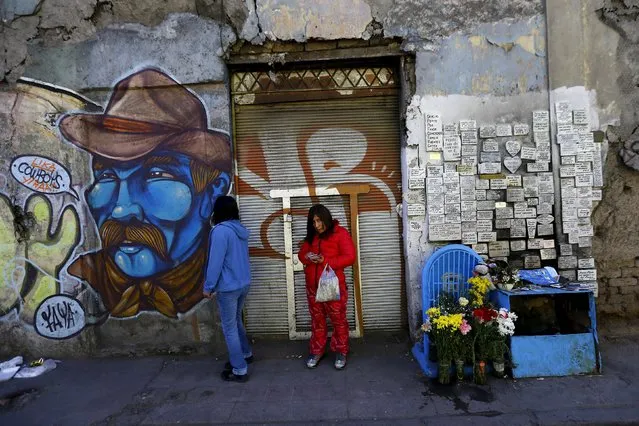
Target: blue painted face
x,y
154,196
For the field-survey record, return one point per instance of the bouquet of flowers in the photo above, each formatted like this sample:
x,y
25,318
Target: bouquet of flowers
x,y
505,276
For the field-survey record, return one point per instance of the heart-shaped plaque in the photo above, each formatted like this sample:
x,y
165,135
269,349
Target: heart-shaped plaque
x,y
512,163
513,147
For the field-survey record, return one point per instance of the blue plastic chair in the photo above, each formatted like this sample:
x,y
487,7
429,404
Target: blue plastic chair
x,y
448,270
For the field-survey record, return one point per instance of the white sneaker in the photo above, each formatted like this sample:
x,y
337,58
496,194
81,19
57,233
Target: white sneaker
x,y
313,360
340,361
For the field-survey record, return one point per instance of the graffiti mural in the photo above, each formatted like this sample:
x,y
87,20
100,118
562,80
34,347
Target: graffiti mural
x,y
157,169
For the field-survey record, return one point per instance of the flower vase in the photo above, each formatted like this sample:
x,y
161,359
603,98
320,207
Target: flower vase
x,y
498,366
479,375
444,372
459,369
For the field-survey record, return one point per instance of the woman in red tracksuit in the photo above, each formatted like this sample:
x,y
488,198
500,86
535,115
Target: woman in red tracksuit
x,y
326,242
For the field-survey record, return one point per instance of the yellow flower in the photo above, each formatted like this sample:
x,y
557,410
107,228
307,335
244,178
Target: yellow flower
x,y
433,312
449,323
479,288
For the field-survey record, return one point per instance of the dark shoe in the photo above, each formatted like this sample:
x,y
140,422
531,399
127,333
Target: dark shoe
x,y
229,367
228,376
340,361
313,360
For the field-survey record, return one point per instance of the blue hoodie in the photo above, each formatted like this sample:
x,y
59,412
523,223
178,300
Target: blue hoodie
x,y
228,267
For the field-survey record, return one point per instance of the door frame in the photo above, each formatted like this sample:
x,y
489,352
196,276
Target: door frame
x,y
292,263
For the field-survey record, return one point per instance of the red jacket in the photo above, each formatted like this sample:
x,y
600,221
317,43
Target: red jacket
x,y
338,251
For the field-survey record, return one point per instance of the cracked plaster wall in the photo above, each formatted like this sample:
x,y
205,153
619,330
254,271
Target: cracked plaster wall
x,y
495,50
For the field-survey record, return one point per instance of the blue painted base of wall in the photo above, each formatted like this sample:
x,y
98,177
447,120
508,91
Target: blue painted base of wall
x,y
557,355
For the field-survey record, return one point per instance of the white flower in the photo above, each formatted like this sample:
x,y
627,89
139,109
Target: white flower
x,y
463,301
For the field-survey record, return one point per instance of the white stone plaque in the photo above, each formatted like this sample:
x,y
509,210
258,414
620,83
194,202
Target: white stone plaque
x,y
528,153
547,254
541,137
435,208
532,262
504,130
445,232
485,237
567,149
537,167
541,121
518,245
482,184
567,170
567,262
453,210
531,225
585,179
597,167
583,212
585,156
485,215
480,194
535,244
518,228
504,213
489,168
521,129
435,171
469,138
433,122
469,226
515,195
513,147
597,194
499,249
484,225
498,184
468,205
489,157
416,210
494,195
580,116
546,183
502,223
480,248
467,125
532,202
586,231
436,219
469,150
586,263
527,213
547,199
583,168
587,275
490,145
435,142
469,238
468,215
513,180
512,164
486,205
585,241
545,230
565,249
544,208
564,128
450,128
452,148
568,138
415,183
489,131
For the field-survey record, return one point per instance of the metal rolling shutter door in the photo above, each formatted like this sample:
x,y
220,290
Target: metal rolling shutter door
x,y
321,143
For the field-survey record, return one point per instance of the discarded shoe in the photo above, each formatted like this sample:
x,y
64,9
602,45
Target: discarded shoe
x,y
313,360
340,361
228,376
248,360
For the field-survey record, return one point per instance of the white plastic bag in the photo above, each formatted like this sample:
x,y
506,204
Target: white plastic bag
x,y
29,372
328,287
8,369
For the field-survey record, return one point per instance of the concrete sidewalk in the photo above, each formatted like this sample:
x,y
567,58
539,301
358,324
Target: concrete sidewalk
x,y
381,385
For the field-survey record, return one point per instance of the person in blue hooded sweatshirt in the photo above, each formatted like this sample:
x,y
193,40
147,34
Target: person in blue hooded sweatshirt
x,y
228,276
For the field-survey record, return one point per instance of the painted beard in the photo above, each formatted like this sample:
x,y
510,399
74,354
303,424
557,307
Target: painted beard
x,y
114,234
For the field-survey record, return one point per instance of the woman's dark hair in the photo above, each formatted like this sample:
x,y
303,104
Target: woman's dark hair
x,y
324,215
225,208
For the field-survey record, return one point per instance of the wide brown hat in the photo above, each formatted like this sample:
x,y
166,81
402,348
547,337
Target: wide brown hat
x,y
149,110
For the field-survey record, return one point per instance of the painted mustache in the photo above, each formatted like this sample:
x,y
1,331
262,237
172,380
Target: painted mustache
x,y
114,233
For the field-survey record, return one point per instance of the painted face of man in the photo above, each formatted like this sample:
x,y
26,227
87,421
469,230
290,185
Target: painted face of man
x,y
149,212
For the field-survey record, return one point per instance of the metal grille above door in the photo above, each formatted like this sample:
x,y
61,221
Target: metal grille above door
x,y
310,129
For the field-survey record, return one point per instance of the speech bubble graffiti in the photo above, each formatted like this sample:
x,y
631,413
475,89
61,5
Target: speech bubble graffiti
x,y
59,317
42,174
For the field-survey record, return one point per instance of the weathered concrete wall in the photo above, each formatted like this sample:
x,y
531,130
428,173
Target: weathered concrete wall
x,y
474,60
593,55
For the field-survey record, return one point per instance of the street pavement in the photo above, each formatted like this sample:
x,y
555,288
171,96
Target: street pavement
x,y
381,384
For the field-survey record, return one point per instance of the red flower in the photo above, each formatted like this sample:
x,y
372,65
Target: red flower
x,y
485,314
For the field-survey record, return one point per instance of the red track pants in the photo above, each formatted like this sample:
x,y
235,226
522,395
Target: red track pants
x,y
336,311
